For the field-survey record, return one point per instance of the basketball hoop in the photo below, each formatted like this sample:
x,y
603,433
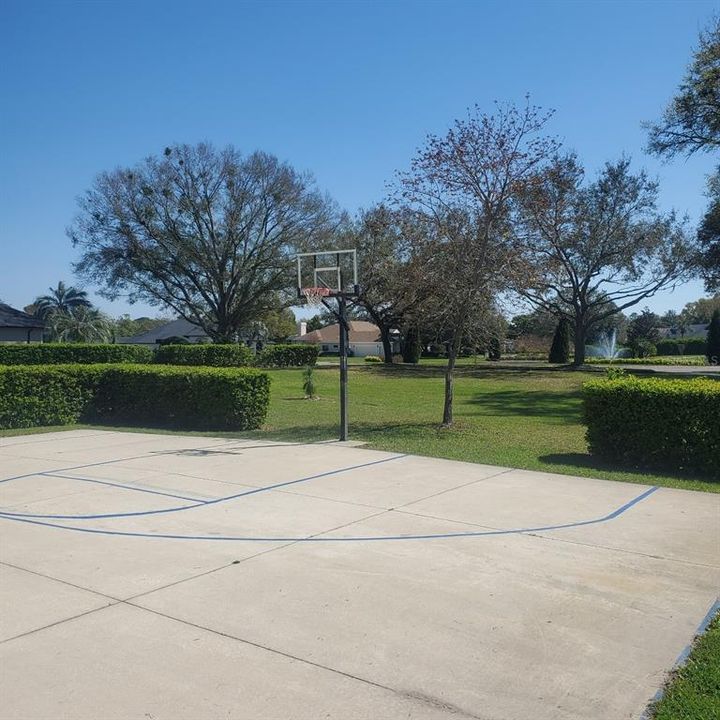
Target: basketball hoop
x,y
314,295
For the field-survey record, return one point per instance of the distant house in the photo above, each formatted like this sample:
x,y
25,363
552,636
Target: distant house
x,y
17,326
684,331
364,338
176,328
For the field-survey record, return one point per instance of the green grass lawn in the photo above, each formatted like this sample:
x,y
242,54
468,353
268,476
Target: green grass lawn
x,y
693,691
523,415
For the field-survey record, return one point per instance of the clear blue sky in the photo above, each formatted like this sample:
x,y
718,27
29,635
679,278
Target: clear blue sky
x,y
346,90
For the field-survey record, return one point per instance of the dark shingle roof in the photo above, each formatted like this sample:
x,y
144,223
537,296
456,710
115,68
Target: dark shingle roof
x,y
10,317
179,328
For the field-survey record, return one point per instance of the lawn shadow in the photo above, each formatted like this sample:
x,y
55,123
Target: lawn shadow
x,y
557,406
499,371
330,431
586,461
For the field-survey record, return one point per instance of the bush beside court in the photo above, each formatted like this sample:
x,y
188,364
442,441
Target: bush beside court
x,y
230,355
279,356
655,422
64,353
136,395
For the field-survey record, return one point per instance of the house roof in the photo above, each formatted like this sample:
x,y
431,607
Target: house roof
x,y
179,328
12,318
360,331
684,331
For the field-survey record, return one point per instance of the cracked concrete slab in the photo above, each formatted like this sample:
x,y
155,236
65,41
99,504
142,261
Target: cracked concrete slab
x,y
520,594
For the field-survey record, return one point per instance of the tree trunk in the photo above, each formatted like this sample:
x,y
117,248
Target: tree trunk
x,y
387,345
411,349
450,382
580,334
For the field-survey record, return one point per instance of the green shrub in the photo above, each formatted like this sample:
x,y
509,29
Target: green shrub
x,y
309,382
615,373
373,359
34,395
197,397
682,346
560,348
644,348
212,355
685,360
65,353
655,422
287,356
494,348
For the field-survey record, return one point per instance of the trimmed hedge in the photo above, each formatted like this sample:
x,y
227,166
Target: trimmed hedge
x,y
35,395
287,356
213,355
200,398
64,353
685,346
691,360
655,422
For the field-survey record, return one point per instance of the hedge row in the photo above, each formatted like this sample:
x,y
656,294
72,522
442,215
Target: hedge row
x,y
684,346
63,353
653,360
655,422
213,355
287,356
199,398
210,355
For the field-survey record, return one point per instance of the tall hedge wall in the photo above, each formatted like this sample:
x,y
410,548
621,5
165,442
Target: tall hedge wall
x,y
287,356
684,346
200,398
655,422
213,355
63,353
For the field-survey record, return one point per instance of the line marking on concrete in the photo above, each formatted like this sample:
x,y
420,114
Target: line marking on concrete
x,y
136,488
682,657
363,538
201,503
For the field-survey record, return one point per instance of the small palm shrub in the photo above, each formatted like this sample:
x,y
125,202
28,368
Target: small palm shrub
x,y
309,382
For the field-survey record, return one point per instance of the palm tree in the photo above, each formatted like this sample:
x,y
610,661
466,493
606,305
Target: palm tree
x,y
61,299
83,324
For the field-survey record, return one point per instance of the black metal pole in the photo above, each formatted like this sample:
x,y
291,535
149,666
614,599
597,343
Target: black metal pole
x,y
343,368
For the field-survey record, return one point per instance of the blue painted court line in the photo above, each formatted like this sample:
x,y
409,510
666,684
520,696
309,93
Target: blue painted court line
x,y
126,459
683,656
199,503
361,538
119,485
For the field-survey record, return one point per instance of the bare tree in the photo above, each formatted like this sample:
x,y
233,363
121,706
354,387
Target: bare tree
x,y
386,239
207,233
464,186
597,248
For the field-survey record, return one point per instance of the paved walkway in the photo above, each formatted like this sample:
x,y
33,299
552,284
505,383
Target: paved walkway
x,y
168,577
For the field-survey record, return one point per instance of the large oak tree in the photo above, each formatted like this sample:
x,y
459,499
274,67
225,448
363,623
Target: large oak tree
x,y
691,124
208,233
597,248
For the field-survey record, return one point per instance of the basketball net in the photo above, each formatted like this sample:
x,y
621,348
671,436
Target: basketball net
x,y
314,295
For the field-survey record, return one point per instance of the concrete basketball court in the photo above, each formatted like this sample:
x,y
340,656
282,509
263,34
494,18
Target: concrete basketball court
x,y
169,577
